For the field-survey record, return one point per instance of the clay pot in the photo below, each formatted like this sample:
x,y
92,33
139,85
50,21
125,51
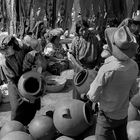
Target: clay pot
x,y
42,128
10,127
17,135
90,138
133,113
72,117
133,130
83,79
64,138
29,85
0,96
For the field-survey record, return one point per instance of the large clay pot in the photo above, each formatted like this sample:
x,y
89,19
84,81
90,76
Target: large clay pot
x,y
29,85
72,117
0,96
90,138
83,79
11,126
133,130
64,138
133,113
42,128
17,135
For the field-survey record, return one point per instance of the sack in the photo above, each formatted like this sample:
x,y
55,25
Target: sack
x,y
87,50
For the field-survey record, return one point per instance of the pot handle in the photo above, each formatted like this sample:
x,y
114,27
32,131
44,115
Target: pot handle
x,y
66,113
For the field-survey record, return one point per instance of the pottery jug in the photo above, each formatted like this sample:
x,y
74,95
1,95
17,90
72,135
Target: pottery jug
x,y
64,138
42,128
29,85
11,126
72,117
90,138
83,79
133,130
17,135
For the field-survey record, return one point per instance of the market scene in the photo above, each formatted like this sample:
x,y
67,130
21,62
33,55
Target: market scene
x,y
69,69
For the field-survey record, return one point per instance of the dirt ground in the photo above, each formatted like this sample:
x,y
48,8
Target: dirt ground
x,y
48,102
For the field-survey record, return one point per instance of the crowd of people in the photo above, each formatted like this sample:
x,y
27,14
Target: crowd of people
x,y
115,58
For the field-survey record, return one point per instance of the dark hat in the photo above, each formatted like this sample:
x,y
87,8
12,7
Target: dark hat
x,y
121,42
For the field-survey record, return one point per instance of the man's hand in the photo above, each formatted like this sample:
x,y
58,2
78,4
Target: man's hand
x,y
93,105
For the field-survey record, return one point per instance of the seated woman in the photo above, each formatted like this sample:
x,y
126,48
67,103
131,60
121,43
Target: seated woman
x,y
55,53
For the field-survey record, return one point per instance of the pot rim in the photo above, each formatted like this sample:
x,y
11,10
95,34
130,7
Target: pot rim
x,y
39,81
84,113
77,76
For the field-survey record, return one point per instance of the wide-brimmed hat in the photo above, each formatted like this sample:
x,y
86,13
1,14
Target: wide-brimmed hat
x,y
121,41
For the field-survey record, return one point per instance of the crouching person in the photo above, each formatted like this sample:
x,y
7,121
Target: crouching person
x,y
11,71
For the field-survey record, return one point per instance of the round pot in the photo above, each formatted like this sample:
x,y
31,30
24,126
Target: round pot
x,y
133,130
72,114
0,96
17,135
83,79
55,83
29,85
133,112
42,128
64,138
11,126
90,138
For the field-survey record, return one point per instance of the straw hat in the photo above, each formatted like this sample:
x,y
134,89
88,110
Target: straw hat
x,y
121,41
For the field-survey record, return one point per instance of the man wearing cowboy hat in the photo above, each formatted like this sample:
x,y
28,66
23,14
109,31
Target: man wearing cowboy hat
x,y
113,85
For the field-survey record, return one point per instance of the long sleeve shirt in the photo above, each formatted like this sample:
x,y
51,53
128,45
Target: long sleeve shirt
x,y
112,86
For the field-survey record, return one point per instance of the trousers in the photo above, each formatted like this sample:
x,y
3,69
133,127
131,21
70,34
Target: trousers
x,y
110,129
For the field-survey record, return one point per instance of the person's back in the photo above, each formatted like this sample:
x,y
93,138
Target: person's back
x,y
115,84
114,100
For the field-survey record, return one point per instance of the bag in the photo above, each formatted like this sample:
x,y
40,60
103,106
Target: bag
x,y
87,50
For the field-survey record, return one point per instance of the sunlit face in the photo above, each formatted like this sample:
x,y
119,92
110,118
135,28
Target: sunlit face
x,y
8,51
